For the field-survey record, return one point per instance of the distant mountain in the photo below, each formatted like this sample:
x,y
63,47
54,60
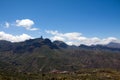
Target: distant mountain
x,y
113,45
42,55
100,47
60,44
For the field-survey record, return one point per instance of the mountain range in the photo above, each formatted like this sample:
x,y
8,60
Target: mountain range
x,y
42,55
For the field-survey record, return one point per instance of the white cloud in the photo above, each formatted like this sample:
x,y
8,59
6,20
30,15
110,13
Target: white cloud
x,y
75,38
110,39
7,25
58,38
26,23
33,29
72,35
53,32
12,38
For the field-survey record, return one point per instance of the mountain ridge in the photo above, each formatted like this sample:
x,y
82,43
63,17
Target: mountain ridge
x,y
60,43
43,55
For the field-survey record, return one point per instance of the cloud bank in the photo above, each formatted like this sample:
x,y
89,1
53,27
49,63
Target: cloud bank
x,y
26,23
75,38
12,38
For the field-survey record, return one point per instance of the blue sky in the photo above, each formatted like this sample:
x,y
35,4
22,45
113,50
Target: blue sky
x,y
89,18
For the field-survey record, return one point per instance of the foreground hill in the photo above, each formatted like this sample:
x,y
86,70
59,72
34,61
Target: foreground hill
x,y
41,55
83,74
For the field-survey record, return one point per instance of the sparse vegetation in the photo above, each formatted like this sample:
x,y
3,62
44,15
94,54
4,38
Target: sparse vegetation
x,y
84,74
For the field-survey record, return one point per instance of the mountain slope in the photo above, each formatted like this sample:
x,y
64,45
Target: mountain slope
x,y
42,55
